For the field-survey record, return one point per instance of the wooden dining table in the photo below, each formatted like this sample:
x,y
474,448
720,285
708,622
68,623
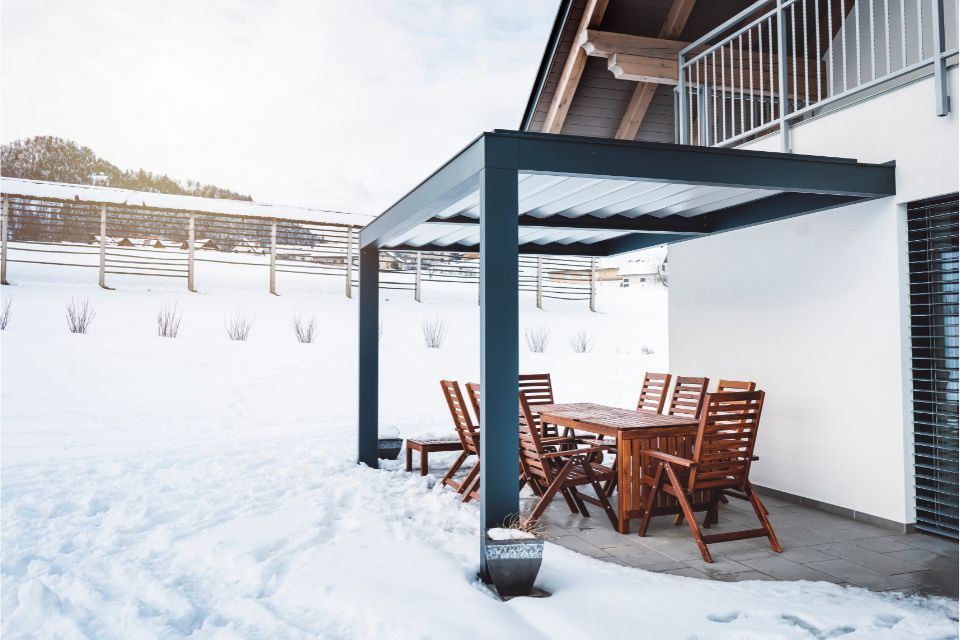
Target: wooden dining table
x,y
633,431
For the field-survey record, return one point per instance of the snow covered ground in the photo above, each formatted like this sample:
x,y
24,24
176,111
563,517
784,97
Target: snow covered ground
x,y
205,488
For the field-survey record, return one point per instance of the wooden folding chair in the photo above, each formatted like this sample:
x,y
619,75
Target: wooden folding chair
x,y
725,386
687,398
469,435
653,392
721,461
560,470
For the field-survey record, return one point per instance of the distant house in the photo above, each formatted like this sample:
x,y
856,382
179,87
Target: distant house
x,y
649,270
125,242
243,246
207,243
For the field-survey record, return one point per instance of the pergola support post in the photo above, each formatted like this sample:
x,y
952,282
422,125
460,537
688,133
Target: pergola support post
x,y
499,348
368,389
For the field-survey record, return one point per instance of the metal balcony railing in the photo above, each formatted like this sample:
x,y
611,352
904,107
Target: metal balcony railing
x,y
781,60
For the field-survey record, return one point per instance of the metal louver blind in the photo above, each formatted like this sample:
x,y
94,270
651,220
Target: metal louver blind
x,y
933,252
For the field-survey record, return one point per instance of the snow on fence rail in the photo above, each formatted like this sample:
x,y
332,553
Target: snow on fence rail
x,y
129,239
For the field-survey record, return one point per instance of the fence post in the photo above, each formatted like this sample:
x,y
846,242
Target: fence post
x,y
191,241
782,70
273,257
3,242
539,282
103,246
416,288
350,262
593,284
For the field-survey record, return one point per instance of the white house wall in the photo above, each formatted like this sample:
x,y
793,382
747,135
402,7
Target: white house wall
x,y
815,309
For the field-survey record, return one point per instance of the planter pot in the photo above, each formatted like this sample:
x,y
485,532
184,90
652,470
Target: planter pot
x,y
389,448
514,565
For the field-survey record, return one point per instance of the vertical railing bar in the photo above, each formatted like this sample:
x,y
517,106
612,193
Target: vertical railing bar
x,y
873,43
793,38
843,40
770,35
713,57
919,30
782,69
830,70
682,94
723,94
856,19
750,66
886,31
816,29
696,68
806,58
903,33
191,249
689,98
743,116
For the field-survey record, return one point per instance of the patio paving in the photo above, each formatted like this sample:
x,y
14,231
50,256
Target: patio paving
x,y
816,546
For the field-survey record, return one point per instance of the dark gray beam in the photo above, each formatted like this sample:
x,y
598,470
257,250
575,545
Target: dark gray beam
x,y
449,183
646,224
778,207
368,391
499,348
553,249
682,164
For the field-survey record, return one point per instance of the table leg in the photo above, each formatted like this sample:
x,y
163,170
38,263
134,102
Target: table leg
x,y
424,465
409,459
624,483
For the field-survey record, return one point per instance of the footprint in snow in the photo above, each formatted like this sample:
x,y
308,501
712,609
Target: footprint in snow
x,y
814,631
886,621
723,617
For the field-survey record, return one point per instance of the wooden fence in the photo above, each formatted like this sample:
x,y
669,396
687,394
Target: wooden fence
x,y
124,239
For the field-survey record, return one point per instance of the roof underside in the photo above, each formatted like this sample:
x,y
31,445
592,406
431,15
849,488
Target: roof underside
x,y
596,197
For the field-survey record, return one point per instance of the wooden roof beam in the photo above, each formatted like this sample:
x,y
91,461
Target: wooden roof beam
x,y
572,68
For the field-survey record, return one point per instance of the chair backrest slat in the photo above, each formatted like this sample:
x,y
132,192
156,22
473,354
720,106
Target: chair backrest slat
x,y
687,398
537,388
653,393
725,386
531,446
464,426
726,439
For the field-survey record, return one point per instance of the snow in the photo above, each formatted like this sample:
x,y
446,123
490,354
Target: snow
x,y
170,201
199,487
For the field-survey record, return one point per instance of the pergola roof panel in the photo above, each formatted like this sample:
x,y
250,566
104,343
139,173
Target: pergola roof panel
x,y
599,197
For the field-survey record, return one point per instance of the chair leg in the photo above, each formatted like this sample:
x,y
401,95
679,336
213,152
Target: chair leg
x,y
550,492
581,507
611,484
764,520
571,503
711,517
448,477
473,477
651,497
688,512
598,489
678,520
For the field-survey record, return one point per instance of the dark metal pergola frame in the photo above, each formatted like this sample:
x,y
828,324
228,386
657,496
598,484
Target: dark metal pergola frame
x,y
491,165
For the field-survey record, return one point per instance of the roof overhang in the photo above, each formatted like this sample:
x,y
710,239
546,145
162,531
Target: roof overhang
x,y
599,197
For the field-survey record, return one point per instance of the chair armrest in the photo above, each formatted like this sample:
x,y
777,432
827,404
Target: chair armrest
x,y
573,452
559,440
666,457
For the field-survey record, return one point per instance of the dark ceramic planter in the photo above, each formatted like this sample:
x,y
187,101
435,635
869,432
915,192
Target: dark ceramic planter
x,y
514,565
389,448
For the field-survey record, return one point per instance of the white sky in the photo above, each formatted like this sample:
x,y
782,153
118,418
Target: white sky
x,y
331,104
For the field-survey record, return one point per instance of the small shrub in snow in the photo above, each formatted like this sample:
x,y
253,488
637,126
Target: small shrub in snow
x,y
646,350
519,528
168,321
5,312
580,342
79,315
537,338
434,333
238,325
305,330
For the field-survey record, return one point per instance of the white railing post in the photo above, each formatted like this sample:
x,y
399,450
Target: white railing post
x,y
939,61
684,107
416,287
273,258
3,242
349,262
103,246
782,71
539,282
191,241
593,284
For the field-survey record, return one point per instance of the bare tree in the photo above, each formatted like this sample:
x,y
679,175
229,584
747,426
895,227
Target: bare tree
x,y
434,333
306,330
537,338
5,310
646,350
168,321
581,342
238,325
80,315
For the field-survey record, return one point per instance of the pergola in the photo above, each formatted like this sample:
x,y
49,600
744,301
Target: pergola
x,y
510,192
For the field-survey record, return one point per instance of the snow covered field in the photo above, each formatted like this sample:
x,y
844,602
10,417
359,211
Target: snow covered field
x,y
205,488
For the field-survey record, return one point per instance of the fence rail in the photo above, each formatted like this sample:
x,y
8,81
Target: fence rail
x,y
151,242
781,60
